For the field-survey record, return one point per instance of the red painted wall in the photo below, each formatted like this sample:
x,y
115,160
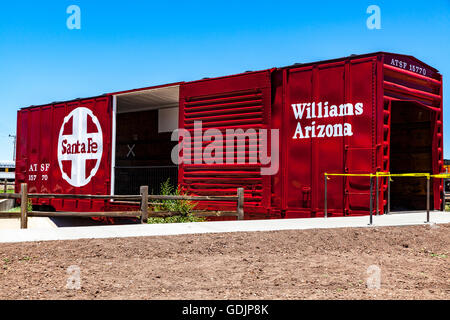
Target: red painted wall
x,y
38,132
268,99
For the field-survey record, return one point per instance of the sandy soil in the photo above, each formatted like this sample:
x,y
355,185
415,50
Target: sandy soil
x,y
311,264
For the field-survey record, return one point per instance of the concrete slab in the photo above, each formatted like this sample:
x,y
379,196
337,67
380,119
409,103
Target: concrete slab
x,y
6,204
40,223
123,231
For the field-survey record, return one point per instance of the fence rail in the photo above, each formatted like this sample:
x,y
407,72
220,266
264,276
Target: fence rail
x,y
5,183
387,175
144,200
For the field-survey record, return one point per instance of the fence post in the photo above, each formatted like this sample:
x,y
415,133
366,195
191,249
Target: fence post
x,y
376,198
370,199
23,206
428,199
240,203
325,204
6,185
144,204
443,195
389,195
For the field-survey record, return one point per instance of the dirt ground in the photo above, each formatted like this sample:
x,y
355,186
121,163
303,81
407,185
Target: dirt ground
x,y
314,264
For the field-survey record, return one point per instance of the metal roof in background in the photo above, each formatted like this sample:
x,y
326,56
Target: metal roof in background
x,y
7,164
7,175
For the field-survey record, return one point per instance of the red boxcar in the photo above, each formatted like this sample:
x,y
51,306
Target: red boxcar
x,y
359,114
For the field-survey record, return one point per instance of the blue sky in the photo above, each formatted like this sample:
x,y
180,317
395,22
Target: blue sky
x,y
132,44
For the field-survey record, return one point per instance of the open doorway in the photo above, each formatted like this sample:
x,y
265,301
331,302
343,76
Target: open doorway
x,y
144,124
410,152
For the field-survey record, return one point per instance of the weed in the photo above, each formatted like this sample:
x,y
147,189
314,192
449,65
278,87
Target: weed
x,y
182,207
174,219
17,209
443,256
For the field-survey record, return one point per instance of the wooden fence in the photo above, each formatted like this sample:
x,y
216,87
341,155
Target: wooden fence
x,y
5,183
143,200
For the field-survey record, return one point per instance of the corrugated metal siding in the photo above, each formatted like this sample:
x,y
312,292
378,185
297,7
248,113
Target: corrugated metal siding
x,y
241,102
307,159
38,133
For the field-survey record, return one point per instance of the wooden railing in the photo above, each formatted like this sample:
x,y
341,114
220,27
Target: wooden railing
x,y
143,201
5,183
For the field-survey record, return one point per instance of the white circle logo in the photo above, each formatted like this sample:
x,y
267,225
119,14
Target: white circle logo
x,y
80,147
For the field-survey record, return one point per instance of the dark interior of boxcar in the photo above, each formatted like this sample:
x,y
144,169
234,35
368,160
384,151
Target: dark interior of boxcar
x,y
143,147
410,152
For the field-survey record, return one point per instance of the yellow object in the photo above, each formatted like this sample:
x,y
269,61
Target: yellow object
x,y
387,174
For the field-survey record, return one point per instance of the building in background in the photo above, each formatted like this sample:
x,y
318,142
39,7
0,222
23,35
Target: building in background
x,y
447,181
7,170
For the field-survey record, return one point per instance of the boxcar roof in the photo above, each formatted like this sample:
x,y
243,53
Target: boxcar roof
x,y
296,65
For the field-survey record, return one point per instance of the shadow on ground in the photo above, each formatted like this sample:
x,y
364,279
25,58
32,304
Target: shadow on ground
x,y
62,222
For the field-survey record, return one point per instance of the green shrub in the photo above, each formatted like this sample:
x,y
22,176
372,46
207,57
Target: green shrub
x,y
17,209
175,219
183,208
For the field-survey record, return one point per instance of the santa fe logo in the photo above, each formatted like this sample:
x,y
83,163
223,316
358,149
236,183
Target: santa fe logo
x,y
80,147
